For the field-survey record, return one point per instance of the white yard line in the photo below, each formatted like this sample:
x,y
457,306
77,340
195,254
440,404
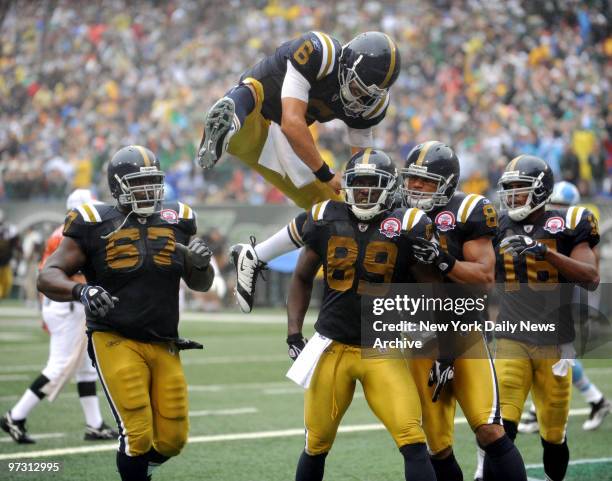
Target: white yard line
x,y
223,412
36,437
574,461
356,428
13,377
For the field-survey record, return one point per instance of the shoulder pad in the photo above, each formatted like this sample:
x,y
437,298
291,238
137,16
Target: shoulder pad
x,y
318,210
314,55
328,53
573,216
467,207
411,218
185,212
91,212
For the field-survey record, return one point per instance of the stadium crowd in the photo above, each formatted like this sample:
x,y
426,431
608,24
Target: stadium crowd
x,y
78,80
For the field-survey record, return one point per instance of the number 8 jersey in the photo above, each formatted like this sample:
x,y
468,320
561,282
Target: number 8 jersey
x,y
136,260
356,256
533,289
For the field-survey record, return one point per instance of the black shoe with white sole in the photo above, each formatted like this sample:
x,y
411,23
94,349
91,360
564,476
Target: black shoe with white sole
x,y
103,433
15,429
248,266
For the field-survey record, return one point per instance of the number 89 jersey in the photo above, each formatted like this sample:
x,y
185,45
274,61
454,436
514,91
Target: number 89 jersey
x,y
137,262
532,286
357,256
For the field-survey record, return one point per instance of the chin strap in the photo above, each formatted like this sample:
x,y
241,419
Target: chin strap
x,y
118,228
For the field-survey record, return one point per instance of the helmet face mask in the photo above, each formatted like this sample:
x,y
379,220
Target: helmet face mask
x,y
368,66
423,199
437,166
355,95
369,183
136,181
520,195
142,192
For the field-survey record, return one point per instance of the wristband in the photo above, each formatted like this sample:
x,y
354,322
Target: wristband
x,y
445,262
293,338
76,291
324,174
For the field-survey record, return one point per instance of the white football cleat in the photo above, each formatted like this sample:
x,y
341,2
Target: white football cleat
x,y
219,126
248,266
598,412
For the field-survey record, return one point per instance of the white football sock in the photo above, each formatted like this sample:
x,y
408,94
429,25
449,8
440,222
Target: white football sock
x,y
277,245
23,407
91,410
592,394
480,455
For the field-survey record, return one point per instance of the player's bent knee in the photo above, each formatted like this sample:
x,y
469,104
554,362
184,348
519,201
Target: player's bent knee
x,y
138,442
553,435
316,445
409,434
487,433
443,453
173,444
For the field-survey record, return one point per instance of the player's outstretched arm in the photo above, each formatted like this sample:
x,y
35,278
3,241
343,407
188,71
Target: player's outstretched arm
x,y
300,290
295,128
54,278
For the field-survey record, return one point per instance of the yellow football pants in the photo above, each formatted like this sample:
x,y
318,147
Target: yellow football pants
x,y
247,145
474,387
389,391
523,367
6,281
147,392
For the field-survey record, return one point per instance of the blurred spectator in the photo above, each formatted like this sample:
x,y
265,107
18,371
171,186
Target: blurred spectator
x,y
9,251
492,79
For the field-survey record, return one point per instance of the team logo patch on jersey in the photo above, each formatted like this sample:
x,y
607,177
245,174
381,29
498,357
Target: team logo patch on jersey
x,y
362,227
390,227
528,228
445,221
554,225
169,215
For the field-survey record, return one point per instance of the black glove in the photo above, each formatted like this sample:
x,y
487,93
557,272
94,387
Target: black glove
x,y
199,253
94,298
429,252
296,343
184,344
442,372
519,245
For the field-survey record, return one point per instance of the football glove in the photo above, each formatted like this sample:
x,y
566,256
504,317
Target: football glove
x,y
429,252
518,245
199,253
97,300
296,343
441,373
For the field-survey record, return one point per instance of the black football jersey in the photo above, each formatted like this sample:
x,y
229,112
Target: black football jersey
x,y
315,55
357,256
135,260
465,217
533,289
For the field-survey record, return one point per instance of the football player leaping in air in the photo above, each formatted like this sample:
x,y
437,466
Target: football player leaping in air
x,y
465,225
539,253
133,256
264,122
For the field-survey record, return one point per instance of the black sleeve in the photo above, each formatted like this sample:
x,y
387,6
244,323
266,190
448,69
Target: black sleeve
x,y
482,221
76,228
587,229
307,54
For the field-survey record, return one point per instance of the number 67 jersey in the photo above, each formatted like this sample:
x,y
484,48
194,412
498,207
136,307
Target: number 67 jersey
x,y
136,260
357,255
533,289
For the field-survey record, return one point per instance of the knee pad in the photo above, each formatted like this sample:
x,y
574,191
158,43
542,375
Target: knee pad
x,y
172,443
173,398
316,444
